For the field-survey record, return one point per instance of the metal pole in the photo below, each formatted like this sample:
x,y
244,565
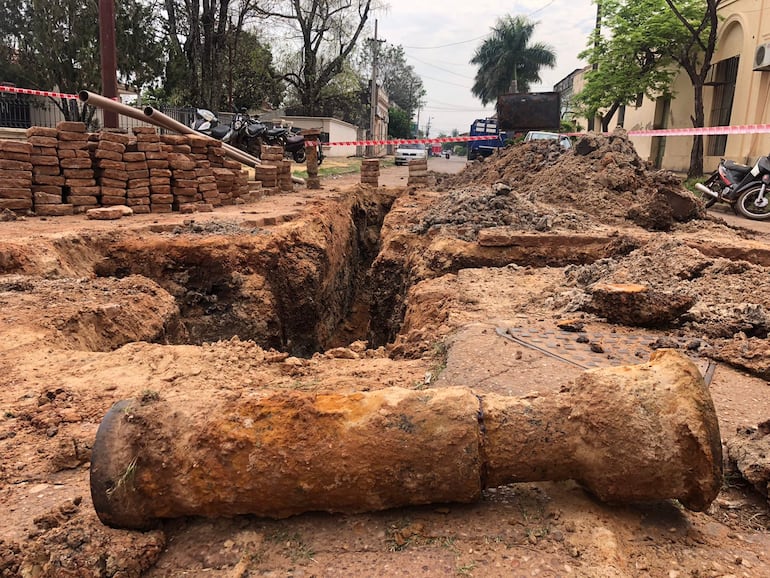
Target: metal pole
x,y
108,58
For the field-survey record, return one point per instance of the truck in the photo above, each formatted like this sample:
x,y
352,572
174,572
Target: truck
x,y
517,113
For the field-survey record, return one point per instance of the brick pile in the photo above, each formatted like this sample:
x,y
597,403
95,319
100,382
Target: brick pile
x,y
370,172
110,167
418,173
15,176
47,180
80,188
65,170
148,143
269,172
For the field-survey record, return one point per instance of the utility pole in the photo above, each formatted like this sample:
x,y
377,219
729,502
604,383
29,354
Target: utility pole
x,y
597,32
108,58
373,90
427,128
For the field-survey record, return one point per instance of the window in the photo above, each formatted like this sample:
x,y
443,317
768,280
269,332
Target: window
x,y
723,81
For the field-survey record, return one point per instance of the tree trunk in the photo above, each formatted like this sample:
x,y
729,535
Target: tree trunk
x,y
696,154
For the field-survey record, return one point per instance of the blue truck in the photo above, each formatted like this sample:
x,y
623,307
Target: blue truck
x,y
484,148
517,112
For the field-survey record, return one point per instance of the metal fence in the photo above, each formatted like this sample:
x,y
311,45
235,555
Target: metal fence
x,y
22,111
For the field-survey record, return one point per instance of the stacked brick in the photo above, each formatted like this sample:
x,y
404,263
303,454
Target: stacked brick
x,y
418,173
269,172
138,186
80,188
207,183
370,172
15,176
47,180
149,144
110,167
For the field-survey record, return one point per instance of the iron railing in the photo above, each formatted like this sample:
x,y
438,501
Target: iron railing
x,y
22,111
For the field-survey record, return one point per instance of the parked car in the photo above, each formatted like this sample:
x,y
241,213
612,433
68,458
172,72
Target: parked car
x,y
542,135
410,152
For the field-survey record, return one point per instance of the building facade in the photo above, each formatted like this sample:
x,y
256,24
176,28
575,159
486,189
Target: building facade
x,y
737,93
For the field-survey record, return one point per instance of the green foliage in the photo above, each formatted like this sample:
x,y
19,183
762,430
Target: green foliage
x,y
506,58
401,82
55,45
400,123
632,58
255,82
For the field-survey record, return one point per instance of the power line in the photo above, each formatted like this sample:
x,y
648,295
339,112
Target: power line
x,y
439,68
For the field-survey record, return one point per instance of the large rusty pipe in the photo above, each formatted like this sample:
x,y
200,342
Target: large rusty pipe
x,y
627,434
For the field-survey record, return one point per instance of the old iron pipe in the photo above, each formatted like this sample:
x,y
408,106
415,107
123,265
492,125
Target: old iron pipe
x,y
628,434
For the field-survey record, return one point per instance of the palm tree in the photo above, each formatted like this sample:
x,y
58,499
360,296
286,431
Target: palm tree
x,y
506,61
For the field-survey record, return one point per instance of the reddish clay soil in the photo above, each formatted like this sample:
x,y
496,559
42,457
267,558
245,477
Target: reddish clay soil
x,y
494,279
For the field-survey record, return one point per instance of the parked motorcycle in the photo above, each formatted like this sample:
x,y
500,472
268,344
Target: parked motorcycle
x,y
248,133
745,188
292,141
245,133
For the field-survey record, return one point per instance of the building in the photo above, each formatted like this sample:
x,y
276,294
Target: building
x,y
332,130
737,93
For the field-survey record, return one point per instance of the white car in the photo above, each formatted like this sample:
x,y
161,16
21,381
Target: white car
x,y
410,152
542,135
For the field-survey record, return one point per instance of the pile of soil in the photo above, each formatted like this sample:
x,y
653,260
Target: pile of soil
x,y
601,176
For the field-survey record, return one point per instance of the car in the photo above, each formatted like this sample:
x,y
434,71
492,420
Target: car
x,y
410,152
542,135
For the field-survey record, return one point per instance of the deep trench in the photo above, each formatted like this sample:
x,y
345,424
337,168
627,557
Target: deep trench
x,y
290,295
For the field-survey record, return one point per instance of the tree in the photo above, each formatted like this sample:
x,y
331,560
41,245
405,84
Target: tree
x,y
202,36
399,125
55,45
506,60
328,32
645,39
629,62
404,87
253,81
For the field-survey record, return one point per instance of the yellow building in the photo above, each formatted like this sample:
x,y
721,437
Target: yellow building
x,y
737,93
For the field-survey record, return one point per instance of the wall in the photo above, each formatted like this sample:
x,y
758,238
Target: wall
x,y
337,130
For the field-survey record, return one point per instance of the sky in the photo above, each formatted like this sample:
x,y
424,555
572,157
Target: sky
x,y
440,36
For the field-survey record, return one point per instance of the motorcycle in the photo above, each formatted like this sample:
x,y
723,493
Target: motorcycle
x,y
743,187
248,133
292,141
245,133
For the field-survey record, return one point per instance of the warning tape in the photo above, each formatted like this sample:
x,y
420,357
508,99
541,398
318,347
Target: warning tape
x,y
704,131
16,90
709,130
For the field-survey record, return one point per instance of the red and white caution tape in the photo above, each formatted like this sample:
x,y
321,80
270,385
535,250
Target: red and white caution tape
x,y
29,91
709,130
704,131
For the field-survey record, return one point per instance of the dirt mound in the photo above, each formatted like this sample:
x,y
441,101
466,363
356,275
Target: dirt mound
x,y
601,176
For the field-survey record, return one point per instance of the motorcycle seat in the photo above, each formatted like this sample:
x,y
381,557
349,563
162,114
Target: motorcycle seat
x,y
295,139
737,167
275,131
218,132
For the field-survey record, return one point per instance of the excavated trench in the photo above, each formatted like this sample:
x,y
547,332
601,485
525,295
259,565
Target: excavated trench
x,y
338,274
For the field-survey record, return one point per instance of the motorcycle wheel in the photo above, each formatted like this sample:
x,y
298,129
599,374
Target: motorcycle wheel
x,y
299,156
748,209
